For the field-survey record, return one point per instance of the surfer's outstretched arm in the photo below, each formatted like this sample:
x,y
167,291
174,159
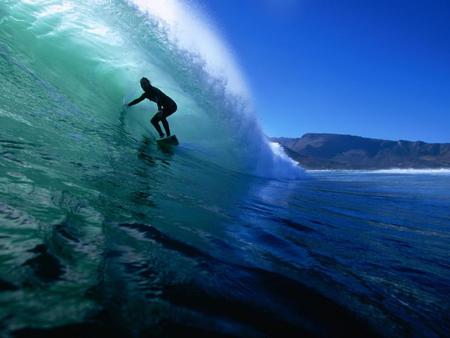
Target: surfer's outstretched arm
x,y
139,99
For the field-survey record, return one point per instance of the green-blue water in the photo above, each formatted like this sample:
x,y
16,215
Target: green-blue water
x,y
104,234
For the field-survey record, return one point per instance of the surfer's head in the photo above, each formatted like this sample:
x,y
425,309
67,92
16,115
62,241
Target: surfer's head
x,y
145,84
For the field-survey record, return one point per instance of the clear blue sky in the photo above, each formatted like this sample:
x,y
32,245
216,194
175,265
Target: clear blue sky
x,y
374,68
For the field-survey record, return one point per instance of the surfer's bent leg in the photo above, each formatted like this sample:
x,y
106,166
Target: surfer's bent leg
x,y
166,113
155,121
166,126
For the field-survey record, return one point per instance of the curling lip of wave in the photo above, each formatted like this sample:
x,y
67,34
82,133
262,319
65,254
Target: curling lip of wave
x,y
191,30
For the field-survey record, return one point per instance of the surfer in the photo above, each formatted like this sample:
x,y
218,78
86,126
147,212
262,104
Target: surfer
x,y
166,106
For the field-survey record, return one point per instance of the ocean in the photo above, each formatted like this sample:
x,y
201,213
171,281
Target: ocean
x,y
102,233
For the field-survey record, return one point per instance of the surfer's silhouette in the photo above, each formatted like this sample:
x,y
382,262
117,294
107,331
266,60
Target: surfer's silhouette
x,y
166,106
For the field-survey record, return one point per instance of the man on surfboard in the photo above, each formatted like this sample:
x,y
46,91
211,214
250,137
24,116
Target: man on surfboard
x,y
166,106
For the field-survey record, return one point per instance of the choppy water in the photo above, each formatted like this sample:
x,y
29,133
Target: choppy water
x,y
104,234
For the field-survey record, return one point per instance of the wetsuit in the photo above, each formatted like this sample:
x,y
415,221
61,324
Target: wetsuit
x,y
166,107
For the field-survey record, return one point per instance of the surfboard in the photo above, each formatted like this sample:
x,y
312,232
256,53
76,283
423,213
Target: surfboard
x,y
168,141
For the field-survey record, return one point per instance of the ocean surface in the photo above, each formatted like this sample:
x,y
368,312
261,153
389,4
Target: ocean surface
x,y
103,234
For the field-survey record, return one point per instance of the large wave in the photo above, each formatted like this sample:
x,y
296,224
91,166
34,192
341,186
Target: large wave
x,y
90,55
104,234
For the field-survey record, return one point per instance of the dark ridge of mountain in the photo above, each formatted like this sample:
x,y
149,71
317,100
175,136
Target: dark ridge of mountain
x,y
334,151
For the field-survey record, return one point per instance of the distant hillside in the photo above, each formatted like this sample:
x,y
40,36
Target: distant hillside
x,y
333,151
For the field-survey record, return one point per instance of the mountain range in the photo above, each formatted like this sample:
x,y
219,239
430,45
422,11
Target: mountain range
x,y
334,151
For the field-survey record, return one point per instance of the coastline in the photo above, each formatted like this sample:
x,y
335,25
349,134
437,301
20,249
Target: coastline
x,y
412,171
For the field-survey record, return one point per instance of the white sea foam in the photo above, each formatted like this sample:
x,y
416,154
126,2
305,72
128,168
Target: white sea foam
x,y
443,171
399,171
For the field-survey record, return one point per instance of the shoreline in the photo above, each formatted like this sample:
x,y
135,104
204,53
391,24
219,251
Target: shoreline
x,y
386,171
